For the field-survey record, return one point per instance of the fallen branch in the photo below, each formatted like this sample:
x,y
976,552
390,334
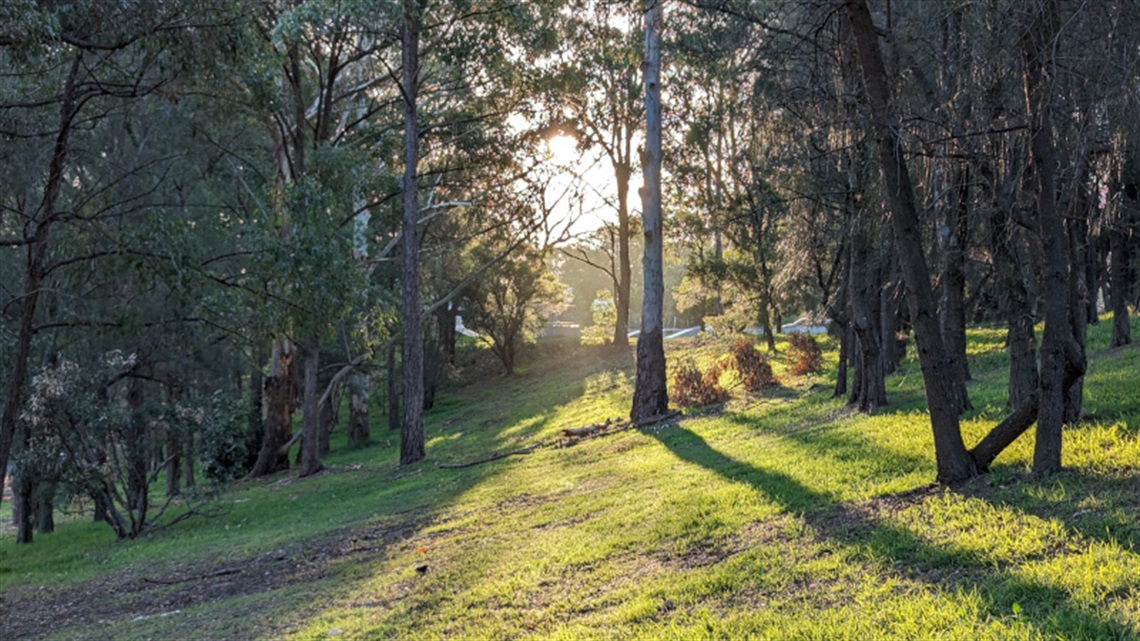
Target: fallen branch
x,y
653,420
493,457
586,430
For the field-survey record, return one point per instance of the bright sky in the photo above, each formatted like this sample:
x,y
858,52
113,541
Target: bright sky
x,y
590,173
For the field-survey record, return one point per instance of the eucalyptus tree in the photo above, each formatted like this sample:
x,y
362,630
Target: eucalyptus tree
x,y
650,395
74,72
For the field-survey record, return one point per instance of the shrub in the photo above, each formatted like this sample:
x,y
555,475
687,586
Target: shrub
x,y
805,354
755,372
692,389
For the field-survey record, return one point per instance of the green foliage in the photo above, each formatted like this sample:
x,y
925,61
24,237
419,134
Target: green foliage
x,y
512,301
604,314
223,452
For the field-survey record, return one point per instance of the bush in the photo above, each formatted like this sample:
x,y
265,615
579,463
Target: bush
x,y
693,389
755,372
805,354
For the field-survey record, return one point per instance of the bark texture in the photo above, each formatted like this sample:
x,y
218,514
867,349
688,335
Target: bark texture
x,y
1037,47
954,462
412,430
650,396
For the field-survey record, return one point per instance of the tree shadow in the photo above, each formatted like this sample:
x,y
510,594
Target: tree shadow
x,y
1098,507
1048,609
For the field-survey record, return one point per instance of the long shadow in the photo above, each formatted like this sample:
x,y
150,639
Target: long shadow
x,y
1108,501
1048,609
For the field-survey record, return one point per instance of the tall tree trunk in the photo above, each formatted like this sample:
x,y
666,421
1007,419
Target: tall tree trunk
x,y
1078,249
138,499
412,430
1037,47
869,391
625,273
953,461
650,396
952,309
311,415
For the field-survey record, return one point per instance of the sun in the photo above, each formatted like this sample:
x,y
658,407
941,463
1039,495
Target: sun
x,y
563,149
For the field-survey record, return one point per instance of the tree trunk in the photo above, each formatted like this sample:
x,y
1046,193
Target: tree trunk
x,y
45,508
1120,284
255,421
279,394
311,414
138,499
954,462
870,390
952,309
394,378
173,463
1039,69
360,386
1078,292
650,396
188,463
844,354
23,508
622,172
412,430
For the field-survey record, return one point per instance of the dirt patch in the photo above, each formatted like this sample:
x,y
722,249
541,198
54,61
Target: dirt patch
x,y
141,593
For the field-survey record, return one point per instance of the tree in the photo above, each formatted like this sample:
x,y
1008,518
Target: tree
x,y
954,462
650,397
512,301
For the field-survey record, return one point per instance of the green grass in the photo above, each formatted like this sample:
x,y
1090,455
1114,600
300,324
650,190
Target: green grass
x,y
778,515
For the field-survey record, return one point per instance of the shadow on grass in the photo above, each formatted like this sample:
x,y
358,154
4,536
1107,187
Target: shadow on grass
x,y
1046,608
1096,506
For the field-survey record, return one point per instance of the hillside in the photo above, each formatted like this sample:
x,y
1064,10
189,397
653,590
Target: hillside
x,y
775,515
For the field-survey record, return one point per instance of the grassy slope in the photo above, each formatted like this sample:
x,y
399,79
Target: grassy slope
x,y
780,515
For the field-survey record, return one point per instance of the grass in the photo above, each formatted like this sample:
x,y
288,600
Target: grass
x,y
777,515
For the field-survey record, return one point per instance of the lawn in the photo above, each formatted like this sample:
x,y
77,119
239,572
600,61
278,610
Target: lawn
x,y
781,515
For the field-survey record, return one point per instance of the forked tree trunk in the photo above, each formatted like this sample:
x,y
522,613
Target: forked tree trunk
x,y
953,461
650,396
